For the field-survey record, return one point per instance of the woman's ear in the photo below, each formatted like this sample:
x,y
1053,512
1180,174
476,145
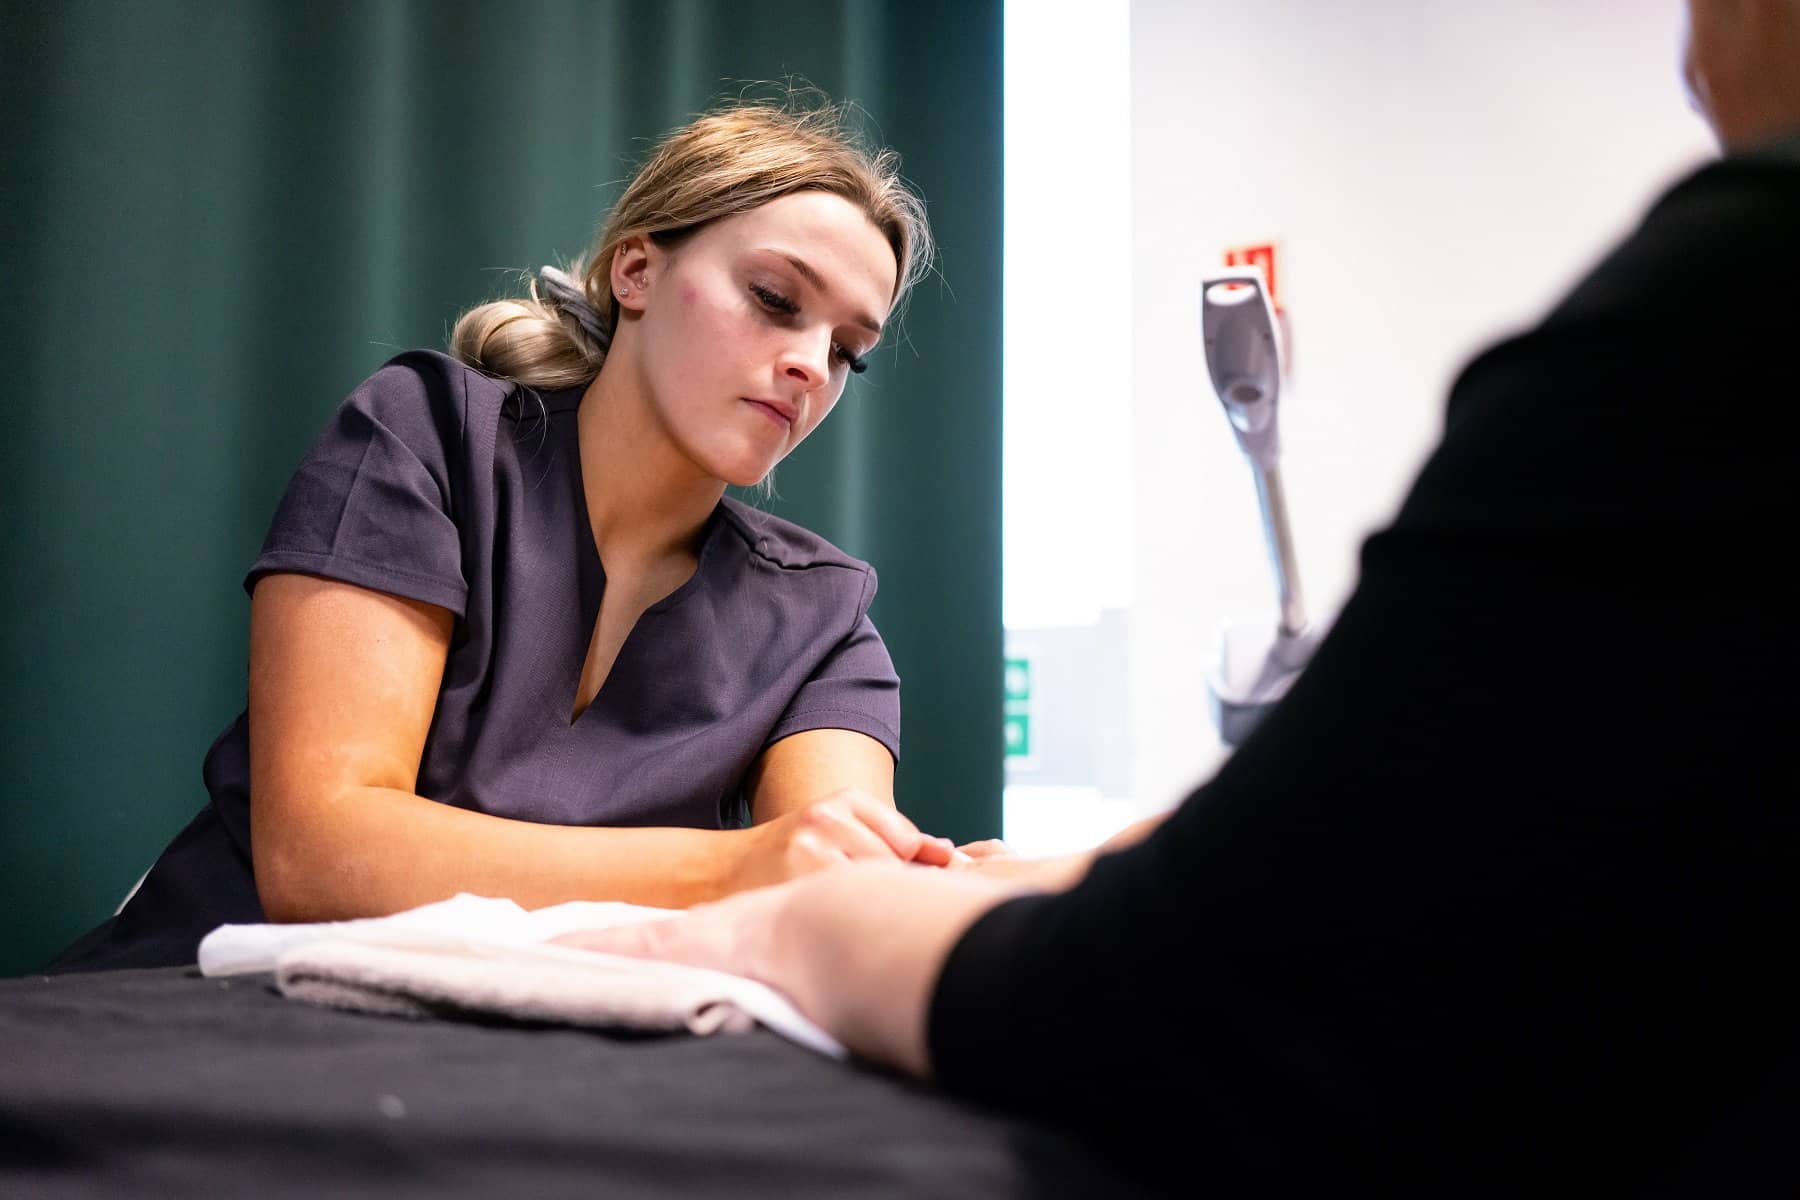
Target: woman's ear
x,y
631,271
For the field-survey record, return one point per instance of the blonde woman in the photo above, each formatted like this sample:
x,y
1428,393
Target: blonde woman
x,y
509,636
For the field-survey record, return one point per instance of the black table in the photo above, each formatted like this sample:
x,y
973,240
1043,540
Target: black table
x,y
155,1083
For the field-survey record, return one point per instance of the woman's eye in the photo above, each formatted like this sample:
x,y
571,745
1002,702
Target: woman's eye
x,y
857,365
780,305
773,300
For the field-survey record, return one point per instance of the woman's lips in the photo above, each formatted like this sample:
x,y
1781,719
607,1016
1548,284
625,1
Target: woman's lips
x,y
777,411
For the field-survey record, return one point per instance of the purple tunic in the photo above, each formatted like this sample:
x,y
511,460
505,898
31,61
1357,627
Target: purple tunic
x,y
440,484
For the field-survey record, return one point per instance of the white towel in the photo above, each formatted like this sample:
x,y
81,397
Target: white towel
x,y
477,955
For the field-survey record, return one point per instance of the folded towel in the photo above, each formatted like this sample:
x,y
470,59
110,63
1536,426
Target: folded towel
x,y
477,956
239,949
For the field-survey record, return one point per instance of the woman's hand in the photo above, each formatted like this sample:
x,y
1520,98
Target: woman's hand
x,y
846,826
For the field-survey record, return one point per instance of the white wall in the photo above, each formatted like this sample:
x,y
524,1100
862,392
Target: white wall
x,y
1068,167
1068,569
1435,173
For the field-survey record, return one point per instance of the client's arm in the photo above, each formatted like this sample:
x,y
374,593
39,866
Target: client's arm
x,y
343,687
834,944
831,942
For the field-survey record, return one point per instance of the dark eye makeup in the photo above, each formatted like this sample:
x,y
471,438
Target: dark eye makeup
x,y
774,302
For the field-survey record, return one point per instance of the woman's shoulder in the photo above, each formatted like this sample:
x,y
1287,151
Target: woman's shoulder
x,y
440,410
429,384
787,545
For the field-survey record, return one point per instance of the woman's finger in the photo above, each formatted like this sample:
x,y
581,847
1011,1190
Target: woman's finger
x,y
847,827
816,846
907,843
938,852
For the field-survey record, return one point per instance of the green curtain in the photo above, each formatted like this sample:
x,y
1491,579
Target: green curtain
x,y
219,217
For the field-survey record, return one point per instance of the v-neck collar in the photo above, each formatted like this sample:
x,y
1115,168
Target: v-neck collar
x,y
591,579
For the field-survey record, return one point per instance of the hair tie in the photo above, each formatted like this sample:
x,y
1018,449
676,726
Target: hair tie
x,y
566,294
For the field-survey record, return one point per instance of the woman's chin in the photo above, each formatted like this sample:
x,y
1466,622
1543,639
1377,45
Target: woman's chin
x,y
746,475
746,469
739,463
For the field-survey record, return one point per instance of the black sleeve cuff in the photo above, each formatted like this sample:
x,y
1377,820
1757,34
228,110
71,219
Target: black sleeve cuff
x,y
975,1020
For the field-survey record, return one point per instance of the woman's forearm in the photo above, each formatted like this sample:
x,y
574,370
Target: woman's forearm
x,y
373,851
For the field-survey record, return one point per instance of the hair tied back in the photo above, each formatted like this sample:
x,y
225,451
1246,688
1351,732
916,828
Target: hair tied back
x,y
564,293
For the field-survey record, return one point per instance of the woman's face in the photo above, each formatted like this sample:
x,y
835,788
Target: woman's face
x,y
1740,68
748,330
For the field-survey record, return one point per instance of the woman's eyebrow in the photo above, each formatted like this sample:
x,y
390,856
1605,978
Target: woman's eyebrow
x,y
811,276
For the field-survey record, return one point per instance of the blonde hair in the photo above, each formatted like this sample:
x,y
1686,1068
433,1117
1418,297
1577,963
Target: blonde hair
x,y
725,162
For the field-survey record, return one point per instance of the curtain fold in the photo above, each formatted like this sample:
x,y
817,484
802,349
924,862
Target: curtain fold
x,y
219,218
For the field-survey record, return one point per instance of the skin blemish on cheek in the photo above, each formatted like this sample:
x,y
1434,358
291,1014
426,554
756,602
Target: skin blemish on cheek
x,y
688,294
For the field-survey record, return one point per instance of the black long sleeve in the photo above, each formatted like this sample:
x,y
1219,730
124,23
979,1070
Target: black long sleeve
x,y
1502,895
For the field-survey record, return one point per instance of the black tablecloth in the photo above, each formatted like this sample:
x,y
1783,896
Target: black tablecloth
x,y
167,1083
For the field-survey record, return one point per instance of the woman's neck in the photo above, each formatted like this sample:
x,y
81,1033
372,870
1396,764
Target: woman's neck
x,y
646,500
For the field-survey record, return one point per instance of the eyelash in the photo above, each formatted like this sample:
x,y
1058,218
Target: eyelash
x,y
775,302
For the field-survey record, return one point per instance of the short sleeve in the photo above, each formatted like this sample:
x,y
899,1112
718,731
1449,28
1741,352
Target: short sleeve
x,y
854,687
372,503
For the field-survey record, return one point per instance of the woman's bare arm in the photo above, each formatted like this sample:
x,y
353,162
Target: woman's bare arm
x,y
800,768
343,685
855,775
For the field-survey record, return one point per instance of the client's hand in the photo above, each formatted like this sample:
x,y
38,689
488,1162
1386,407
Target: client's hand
x,y
831,943
732,934
993,859
845,826
1036,874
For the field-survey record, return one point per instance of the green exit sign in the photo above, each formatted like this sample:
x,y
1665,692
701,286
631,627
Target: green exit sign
x,y
1016,721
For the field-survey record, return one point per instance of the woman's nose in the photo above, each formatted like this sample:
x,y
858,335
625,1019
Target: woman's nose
x,y
807,359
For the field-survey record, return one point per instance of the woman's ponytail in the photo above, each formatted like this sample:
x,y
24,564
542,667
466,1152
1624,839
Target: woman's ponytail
x,y
553,339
